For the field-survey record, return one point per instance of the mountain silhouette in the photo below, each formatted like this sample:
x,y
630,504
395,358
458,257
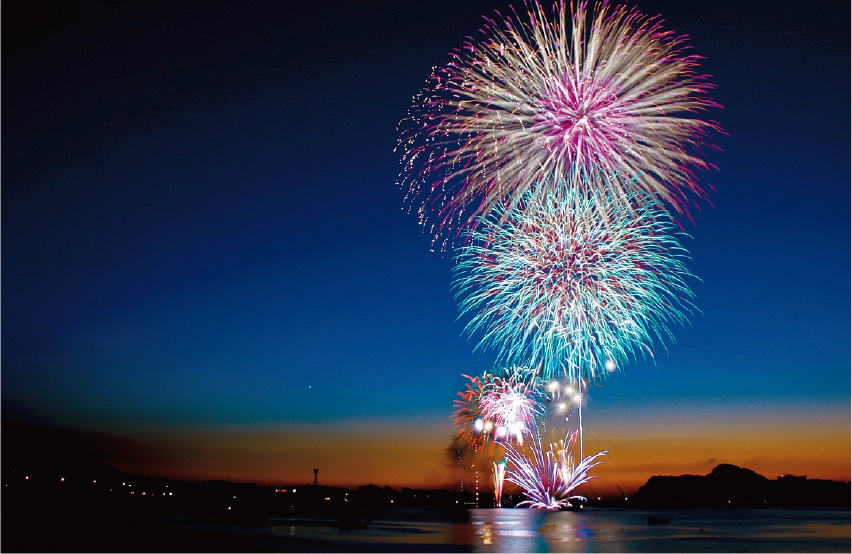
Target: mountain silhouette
x,y
730,486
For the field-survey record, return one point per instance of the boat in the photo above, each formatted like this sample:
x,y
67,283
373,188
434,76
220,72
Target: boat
x,y
654,520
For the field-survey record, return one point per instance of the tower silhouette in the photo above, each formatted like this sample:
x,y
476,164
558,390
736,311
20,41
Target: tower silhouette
x,y
316,470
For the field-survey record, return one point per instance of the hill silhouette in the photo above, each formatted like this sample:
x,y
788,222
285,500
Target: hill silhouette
x,y
730,486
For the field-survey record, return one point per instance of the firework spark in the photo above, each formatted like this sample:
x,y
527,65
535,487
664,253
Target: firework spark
x,y
540,98
549,477
570,283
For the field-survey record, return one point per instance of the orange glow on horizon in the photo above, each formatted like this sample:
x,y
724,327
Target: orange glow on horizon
x,y
416,455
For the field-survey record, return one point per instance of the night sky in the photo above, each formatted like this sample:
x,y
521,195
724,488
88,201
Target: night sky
x,y
206,262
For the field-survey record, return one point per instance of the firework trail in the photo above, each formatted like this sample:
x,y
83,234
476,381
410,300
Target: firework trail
x,y
499,478
548,477
536,99
570,283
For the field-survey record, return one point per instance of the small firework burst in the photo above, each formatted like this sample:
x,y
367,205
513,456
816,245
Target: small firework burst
x,y
504,406
468,412
571,283
541,97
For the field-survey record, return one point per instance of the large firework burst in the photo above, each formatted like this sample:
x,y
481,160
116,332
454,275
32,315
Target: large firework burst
x,y
540,98
571,283
549,477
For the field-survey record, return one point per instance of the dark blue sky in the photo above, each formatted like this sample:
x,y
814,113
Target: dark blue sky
x,y
200,221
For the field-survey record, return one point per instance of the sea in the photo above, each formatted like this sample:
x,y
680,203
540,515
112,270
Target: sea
x,y
526,530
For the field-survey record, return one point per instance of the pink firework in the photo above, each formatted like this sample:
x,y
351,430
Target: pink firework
x,y
501,408
549,477
511,406
543,100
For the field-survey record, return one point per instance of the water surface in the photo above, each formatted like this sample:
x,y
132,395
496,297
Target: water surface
x,y
524,530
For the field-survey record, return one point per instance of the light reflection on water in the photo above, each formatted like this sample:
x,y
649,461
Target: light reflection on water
x,y
541,531
689,531
594,530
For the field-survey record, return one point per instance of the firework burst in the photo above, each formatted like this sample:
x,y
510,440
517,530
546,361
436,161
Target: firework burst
x,y
504,406
550,476
570,283
468,412
538,98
